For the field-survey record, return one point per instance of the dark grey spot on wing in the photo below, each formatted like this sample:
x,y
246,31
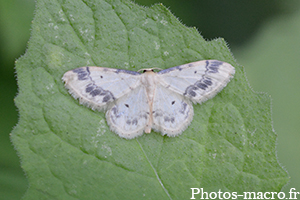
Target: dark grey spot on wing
x,y
134,121
201,85
83,73
207,81
216,63
184,110
190,91
206,63
158,113
145,116
183,107
107,97
167,119
213,69
172,119
95,92
213,66
90,87
193,87
179,67
115,111
114,114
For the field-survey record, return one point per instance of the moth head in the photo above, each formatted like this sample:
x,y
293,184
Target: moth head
x,y
149,70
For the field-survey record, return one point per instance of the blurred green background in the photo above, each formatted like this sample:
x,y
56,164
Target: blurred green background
x,y
264,37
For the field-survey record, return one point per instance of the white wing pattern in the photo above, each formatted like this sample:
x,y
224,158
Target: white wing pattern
x,y
172,113
96,87
198,81
137,103
129,115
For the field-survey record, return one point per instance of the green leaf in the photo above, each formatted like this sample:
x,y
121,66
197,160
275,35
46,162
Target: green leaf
x,y
68,151
272,61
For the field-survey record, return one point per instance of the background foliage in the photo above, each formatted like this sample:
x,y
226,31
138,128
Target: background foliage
x,y
263,36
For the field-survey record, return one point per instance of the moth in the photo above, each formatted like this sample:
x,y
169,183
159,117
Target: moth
x,y
139,102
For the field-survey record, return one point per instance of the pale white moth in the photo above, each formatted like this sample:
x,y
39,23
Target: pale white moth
x,y
138,102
